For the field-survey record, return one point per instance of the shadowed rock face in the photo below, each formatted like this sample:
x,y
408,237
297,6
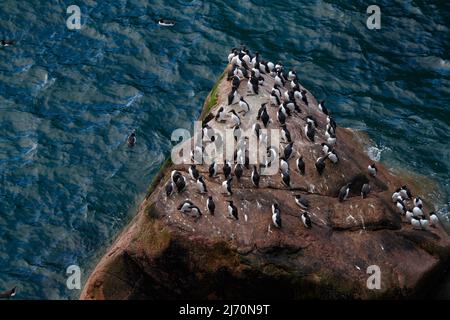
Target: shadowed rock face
x,y
165,254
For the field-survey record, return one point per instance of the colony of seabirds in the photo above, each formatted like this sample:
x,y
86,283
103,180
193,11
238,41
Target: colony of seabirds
x,y
288,96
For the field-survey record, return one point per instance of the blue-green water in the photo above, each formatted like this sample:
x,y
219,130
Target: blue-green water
x,y
68,100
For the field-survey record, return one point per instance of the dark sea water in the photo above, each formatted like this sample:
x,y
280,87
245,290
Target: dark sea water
x,y
68,100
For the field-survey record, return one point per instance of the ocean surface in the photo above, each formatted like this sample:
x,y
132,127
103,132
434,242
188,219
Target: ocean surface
x,y
68,100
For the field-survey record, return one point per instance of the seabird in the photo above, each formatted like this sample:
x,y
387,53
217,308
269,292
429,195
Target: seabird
x,y
232,95
365,190
265,118
260,110
226,170
434,219
279,80
201,185
193,172
332,155
372,169
220,115
418,212
257,129
288,151
301,165
255,177
322,107
169,188
226,186
131,139
306,220
185,206
8,293
232,211
281,116
210,205
396,195
286,179
253,84
235,120
301,201
409,215
320,164
310,132
274,99
238,171
212,169
304,98
235,82
276,218
7,43
401,207
175,175
331,138
166,23
285,134
292,75
325,148
417,201
405,193
244,105
180,184
284,165
343,192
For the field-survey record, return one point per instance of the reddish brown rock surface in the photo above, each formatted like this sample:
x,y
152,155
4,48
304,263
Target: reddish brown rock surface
x,y
164,254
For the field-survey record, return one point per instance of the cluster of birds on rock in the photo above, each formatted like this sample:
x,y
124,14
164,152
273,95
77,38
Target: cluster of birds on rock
x,y
412,209
289,98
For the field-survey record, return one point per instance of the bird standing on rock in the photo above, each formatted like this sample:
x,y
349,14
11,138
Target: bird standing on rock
x,y
301,165
320,164
210,205
276,217
372,170
343,192
232,211
306,220
365,190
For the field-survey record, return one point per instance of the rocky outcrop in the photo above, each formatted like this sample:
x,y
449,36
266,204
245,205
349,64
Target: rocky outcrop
x,y
165,254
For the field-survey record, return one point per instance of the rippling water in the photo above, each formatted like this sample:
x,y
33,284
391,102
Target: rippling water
x,y
68,99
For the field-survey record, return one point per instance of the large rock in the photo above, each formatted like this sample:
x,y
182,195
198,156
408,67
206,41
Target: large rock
x,y
164,253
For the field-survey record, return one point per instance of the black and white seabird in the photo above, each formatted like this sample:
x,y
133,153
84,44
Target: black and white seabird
x,y
304,98
332,155
233,95
401,207
175,175
301,165
434,219
320,164
169,188
212,170
286,179
8,293
276,217
396,195
325,148
193,172
310,131
238,171
253,84
306,220
132,139
201,185
226,170
284,165
274,99
418,212
285,134
301,201
343,192
276,90
220,115
255,177
235,119
185,206
417,201
322,107
235,82
279,79
7,43
265,118
288,151
281,116
226,186
365,190
166,22
180,184
211,205
372,169
232,211
405,193
292,75
244,105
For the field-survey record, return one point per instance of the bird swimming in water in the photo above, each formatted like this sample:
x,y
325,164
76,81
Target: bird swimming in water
x,y
372,169
211,205
276,217
232,211
8,293
365,190
7,43
306,220
166,22
301,165
343,192
301,201
132,139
